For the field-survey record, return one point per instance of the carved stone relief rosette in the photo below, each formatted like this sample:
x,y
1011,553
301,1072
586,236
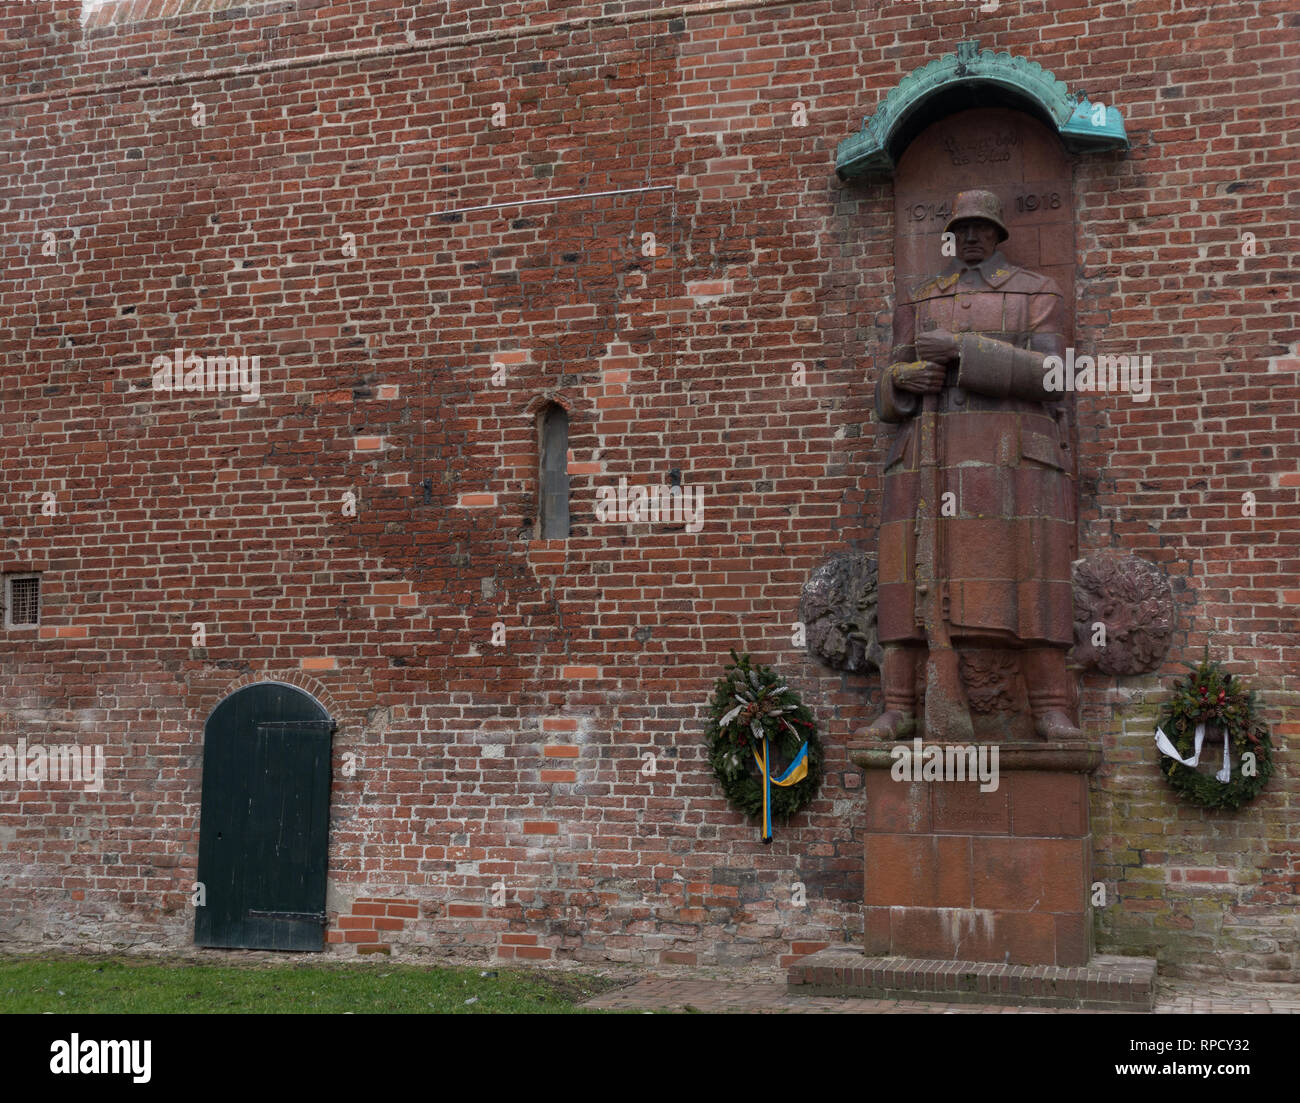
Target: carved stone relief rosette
x,y
838,610
1131,599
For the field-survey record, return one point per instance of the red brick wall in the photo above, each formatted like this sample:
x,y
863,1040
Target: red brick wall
x,y
520,765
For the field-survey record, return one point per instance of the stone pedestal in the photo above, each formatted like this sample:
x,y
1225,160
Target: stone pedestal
x,y
1002,876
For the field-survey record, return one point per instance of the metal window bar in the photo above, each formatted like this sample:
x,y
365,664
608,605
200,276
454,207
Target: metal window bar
x,y
24,600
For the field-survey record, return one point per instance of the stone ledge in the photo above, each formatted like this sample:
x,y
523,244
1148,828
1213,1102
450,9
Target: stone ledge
x,y
1081,758
1107,983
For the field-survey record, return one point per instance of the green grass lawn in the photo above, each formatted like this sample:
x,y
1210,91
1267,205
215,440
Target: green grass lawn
x,y
126,985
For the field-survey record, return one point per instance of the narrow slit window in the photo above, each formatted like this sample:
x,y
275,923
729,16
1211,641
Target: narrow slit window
x,y
554,477
22,601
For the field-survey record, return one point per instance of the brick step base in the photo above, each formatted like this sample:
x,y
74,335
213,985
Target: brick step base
x,y
1105,984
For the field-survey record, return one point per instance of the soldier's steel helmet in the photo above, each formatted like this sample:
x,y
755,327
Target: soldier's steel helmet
x,y
978,204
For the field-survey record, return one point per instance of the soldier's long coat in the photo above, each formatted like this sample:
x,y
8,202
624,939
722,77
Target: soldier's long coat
x,y
1002,452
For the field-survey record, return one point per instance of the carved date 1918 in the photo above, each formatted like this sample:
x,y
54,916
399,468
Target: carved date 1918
x,y
1032,201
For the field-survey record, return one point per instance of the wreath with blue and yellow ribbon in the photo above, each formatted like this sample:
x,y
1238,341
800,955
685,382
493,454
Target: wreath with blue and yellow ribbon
x,y
763,743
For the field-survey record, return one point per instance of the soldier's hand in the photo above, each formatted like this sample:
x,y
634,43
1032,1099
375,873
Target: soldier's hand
x,y
919,377
938,345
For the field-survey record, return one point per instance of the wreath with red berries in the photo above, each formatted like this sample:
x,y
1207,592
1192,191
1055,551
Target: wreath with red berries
x,y
748,703
1221,701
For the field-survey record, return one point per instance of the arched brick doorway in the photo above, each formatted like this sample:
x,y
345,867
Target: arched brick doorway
x,y
264,827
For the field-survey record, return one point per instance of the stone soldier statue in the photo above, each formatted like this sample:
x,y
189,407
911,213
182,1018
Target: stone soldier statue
x,y
976,483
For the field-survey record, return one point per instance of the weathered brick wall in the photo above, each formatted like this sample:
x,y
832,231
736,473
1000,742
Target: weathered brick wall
x,y
305,222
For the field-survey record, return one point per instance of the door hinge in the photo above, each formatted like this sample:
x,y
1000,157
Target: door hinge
x,y
305,917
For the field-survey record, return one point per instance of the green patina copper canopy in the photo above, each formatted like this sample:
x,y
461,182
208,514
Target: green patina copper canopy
x,y
1084,127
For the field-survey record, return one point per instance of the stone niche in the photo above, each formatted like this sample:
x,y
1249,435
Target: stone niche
x,y
1021,160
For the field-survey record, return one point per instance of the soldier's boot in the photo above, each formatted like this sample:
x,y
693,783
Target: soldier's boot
x,y
1049,694
898,682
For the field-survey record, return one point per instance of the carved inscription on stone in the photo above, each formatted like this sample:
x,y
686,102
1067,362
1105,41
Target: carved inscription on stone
x,y
981,149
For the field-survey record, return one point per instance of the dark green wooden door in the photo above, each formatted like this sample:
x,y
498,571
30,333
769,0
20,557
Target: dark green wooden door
x,y
264,829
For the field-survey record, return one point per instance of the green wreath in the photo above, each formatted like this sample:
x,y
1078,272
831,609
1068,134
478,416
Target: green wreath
x,y
1222,702
749,703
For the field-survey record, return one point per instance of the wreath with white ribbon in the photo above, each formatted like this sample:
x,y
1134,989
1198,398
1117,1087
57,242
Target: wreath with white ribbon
x,y
1211,708
763,744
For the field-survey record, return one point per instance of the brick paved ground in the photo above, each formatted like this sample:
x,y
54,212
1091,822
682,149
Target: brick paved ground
x,y
717,992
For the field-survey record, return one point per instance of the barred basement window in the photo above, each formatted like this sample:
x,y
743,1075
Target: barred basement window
x,y
553,426
22,600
